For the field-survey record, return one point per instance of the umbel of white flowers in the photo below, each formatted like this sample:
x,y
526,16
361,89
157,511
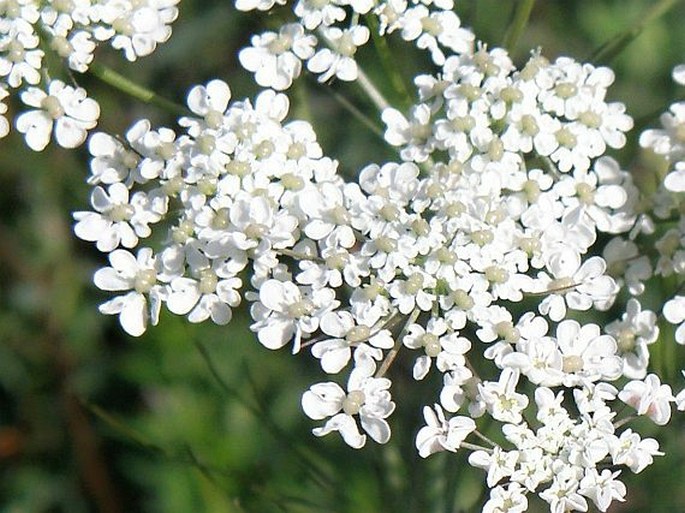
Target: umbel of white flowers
x,y
501,188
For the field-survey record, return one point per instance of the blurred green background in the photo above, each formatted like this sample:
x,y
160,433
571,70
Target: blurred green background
x,y
203,418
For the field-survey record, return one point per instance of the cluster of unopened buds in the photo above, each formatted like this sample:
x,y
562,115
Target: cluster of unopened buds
x,y
474,254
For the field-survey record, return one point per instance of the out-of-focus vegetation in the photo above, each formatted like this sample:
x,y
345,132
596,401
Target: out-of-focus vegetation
x,y
203,418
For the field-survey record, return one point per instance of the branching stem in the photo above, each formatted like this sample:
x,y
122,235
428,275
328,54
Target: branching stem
x,y
123,84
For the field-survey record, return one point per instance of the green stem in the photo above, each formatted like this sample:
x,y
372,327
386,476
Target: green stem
x,y
388,61
310,466
123,84
371,90
352,109
518,24
614,46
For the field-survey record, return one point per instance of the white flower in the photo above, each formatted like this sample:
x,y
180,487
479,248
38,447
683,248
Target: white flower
x,y
674,312
276,58
261,5
440,434
284,313
366,397
339,60
136,27
209,101
675,180
649,397
679,74
586,354
211,292
414,135
335,353
578,286
430,28
680,398
635,453
501,398
119,219
66,110
633,333
138,275
511,499
318,12
602,488
499,463
20,58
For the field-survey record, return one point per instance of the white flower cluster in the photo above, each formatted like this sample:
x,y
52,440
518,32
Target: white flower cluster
x,y
472,255
669,205
328,33
71,30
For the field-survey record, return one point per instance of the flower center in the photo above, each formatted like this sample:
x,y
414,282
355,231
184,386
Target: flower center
x,y
300,308
346,46
15,52
281,44
353,402
358,334
214,119
208,281
52,106
529,126
566,90
431,344
572,363
626,340
566,138
121,212
585,192
145,280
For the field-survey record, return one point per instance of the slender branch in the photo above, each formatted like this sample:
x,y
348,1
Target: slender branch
x,y
484,438
393,352
622,422
614,46
518,24
258,411
371,90
358,114
123,84
474,447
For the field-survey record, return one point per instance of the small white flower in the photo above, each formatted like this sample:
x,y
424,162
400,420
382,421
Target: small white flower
x,y
674,312
136,27
20,58
602,488
440,434
285,313
63,109
578,286
649,397
501,398
338,60
138,275
511,499
633,333
118,220
366,397
276,58
587,355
